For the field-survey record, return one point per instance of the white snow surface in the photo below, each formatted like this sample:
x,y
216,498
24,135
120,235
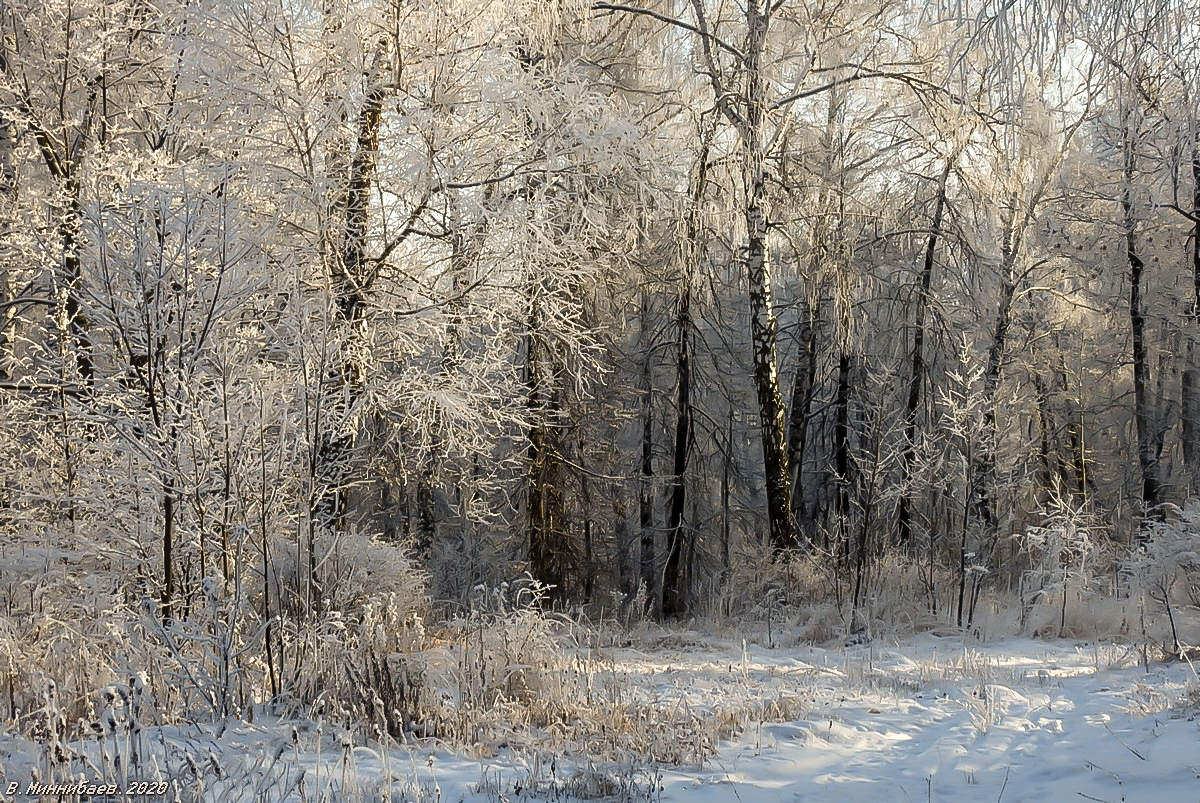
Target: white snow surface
x,y
925,719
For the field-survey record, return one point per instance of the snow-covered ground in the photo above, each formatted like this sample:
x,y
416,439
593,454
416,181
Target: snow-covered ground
x,y
1019,720
925,719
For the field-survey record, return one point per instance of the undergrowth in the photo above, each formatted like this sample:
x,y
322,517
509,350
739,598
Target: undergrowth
x,y
96,685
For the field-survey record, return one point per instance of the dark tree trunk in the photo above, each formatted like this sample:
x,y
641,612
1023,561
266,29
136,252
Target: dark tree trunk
x,y
352,281
917,370
548,551
589,575
426,516
1190,415
1190,381
1049,461
802,394
625,573
841,455
8,307
766,380
1147,433
649,561
543,521
544,502
726,470
590,569
1196,218
983,502
674,587
1073,467
674,594
168,508
265,546
71,231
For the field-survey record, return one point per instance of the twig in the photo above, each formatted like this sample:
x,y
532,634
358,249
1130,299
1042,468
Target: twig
x,y
1004,785
1127,747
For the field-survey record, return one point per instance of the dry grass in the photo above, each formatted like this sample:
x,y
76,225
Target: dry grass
x,y
87,676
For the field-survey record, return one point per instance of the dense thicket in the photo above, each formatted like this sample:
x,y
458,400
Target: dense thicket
x,y
299,296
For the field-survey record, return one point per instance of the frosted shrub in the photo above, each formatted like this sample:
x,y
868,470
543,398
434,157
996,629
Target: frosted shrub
x,y
761,586
1060,551
84,667
355,662
57,635
215,653
362,569
503,651
803,600
1168,561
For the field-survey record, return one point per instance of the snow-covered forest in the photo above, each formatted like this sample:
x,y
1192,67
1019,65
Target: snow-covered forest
x,y
656,400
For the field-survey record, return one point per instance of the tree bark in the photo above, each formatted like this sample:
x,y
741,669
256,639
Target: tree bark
x,y
917,370
1190,415
802,394
1048,456
352,280
674,595
1143,412
649,560
544,496
168,509
1190,381
747,111
64,167
763,323
841,452
70,230
674,589
543,515
983,502
726,470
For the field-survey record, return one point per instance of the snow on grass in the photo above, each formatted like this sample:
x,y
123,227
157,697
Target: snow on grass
x,y
924,719
934,720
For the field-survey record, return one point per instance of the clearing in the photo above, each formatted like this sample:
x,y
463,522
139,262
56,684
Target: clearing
x,y
926,718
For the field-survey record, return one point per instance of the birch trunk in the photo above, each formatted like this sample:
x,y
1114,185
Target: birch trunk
x,y
763,323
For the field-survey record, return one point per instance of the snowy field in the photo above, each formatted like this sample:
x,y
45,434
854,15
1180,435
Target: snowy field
x,y
929,718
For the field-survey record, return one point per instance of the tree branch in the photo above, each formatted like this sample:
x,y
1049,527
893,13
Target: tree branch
x,y
678,23
5,305
860,74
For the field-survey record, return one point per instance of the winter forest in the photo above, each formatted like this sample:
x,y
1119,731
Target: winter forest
x,y
648,400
